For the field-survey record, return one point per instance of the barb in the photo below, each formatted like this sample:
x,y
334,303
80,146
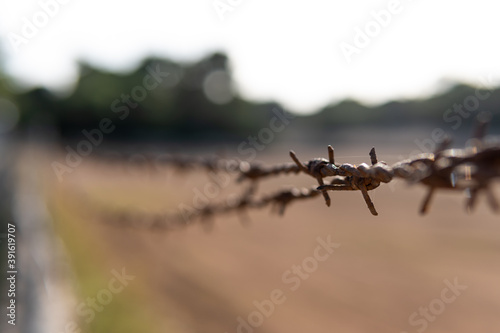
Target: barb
x,y
471,170
278,202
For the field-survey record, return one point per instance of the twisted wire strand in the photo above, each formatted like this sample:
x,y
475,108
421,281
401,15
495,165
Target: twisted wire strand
x,y
472,169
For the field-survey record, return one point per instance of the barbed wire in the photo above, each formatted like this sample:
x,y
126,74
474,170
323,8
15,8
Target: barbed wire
x,y
472,170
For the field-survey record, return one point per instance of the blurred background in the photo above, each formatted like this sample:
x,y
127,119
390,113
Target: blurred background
x,y
92,92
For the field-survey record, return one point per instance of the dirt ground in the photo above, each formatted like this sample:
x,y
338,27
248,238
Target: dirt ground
x,y
396,272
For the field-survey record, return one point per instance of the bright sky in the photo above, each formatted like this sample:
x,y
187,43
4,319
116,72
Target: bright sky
x,y
289,51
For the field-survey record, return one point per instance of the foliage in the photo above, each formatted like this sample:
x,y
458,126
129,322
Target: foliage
x,y
180,108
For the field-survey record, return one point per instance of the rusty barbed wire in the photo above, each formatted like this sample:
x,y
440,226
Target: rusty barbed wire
x,y
471,170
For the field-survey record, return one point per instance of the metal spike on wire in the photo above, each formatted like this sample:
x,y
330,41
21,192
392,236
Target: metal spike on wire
x,y
471,170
